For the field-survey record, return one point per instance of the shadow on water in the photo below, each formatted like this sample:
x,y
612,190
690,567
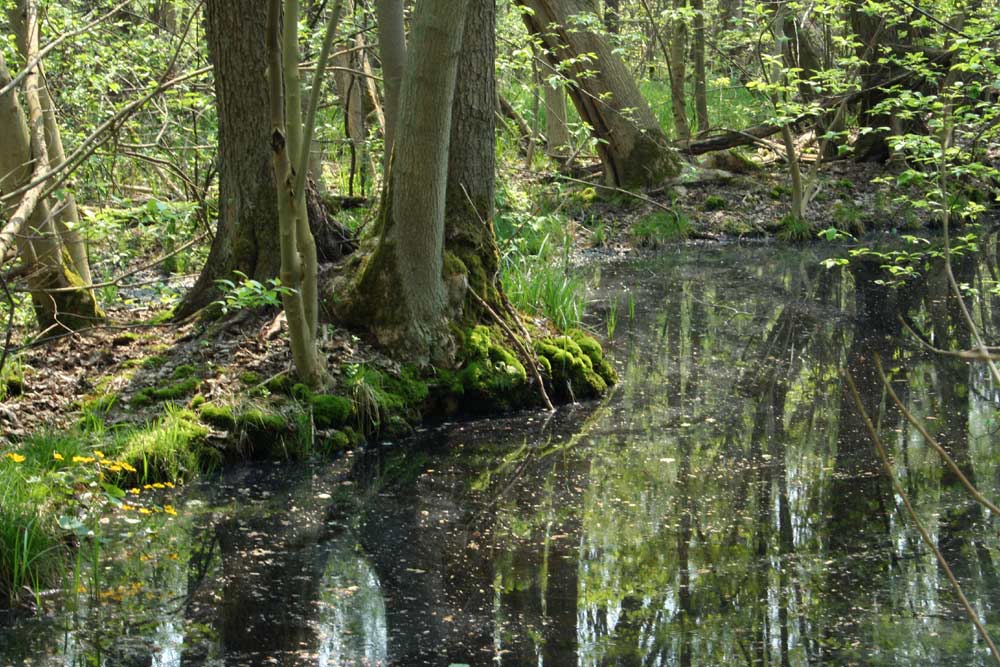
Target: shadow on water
x,y
722,507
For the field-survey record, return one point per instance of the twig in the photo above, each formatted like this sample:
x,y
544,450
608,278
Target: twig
x,y
924,535
10,322
950,462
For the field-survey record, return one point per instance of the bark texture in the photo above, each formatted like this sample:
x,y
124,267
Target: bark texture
x,y
246,238
400,294
633,148
471,156
59,296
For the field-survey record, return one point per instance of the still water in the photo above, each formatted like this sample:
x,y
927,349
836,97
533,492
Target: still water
x,y
723,506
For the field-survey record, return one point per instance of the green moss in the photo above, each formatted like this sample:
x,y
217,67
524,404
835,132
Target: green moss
x,y
572,370
250,378
171,392
330,411
219,416
184,371
257,420
280,384
196,401
124,338
714,203
453,264
590,347
336,441
151,362
490,376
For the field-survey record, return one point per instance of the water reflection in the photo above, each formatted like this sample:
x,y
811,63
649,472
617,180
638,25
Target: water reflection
x,y
723,507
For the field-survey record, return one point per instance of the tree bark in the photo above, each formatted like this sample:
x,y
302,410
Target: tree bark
x,y
698,62
556,131
246,238
60,298
678,71
392,48
632,146
469,234
400,294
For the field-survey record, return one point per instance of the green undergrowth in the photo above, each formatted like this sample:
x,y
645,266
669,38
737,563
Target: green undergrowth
x,y
536,232
661,227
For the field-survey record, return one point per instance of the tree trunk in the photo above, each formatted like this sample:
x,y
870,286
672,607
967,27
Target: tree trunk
x,y
350,95
632,146
246,238
698,61
612,16
60,298
469,232
678,71
67,220
400,295
392,49
556,131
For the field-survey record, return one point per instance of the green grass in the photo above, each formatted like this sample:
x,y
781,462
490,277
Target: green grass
x,y
794,229
169,448
660,227
534,285
31,551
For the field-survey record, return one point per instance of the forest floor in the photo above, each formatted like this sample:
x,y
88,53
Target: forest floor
x,y
124,373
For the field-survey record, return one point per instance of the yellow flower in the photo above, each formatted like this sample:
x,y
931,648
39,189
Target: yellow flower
x,y
169,509
98,453
114,468
57,456
83,459
134,491
169,485
157,485
126,467
143,510
16,458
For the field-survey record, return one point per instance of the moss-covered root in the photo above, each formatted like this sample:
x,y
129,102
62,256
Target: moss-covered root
x,y
491,376
576,364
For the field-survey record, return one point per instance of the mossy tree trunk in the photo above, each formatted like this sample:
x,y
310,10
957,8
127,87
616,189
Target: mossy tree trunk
x,y
60,297
469,234
632,146
400,295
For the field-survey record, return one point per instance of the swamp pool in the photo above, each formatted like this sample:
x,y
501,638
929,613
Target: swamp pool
x,y
722,506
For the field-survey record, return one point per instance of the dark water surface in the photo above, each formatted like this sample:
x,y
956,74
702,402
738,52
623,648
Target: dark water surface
x,y
722,507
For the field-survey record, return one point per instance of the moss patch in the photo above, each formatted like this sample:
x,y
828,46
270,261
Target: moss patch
x,y
490,374
218,416
170,392
330,411
570,361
